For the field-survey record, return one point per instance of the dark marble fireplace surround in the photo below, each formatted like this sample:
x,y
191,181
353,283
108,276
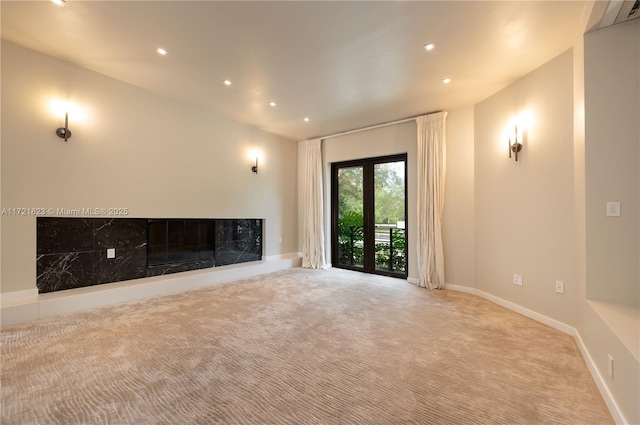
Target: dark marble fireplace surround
x,y
72,252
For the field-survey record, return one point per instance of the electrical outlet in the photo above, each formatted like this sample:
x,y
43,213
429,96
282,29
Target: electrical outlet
x,y
559,287
111,253
517,279
610,362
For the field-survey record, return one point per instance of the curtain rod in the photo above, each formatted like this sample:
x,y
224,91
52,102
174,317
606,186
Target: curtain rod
x,y
344,133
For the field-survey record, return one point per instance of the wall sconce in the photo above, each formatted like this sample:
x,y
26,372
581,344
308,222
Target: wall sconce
x,y
64,132
65,108
254,154
515,145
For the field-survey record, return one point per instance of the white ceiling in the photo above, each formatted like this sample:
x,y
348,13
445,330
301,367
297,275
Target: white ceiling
x,y
345,65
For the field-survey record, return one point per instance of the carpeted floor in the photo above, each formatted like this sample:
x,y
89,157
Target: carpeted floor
x,y
297,347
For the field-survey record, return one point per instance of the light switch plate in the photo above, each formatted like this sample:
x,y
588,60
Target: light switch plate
x,y
613,209
111,253
517,279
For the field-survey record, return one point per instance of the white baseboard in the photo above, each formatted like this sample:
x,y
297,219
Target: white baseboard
x,y
610,401
563,327
452,287
17,296
460,288
556,324
24,306
282,256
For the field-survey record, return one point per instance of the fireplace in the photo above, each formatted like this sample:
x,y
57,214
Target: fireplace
x,y
76,252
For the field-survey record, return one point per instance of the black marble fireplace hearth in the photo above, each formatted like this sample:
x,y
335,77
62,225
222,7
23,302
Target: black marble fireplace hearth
x,y
77,252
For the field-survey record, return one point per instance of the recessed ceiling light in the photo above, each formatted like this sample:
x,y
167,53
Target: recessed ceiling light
x,y
272,103
227,82
59,2
446,80
306,119
429,46
161,51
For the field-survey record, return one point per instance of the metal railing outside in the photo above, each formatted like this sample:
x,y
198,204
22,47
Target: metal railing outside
x,y
390,247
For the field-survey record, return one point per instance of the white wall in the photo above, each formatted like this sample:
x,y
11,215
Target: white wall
x,y
459,209
612,152
524,210
133,149
544,216
611,315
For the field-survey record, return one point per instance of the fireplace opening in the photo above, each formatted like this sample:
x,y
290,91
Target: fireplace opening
x,y
174,241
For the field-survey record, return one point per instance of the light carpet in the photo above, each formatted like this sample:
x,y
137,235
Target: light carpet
x,y
297,347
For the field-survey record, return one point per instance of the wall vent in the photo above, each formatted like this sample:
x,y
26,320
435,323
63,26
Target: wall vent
x,y
620,11
629,10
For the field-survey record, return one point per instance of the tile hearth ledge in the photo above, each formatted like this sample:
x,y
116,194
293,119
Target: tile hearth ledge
x,y
23,306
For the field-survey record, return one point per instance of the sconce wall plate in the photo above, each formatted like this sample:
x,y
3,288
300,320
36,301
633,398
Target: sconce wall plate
x,y
515,148
63,133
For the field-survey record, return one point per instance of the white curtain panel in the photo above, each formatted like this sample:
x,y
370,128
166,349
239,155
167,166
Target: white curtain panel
x,y
313,229
431,179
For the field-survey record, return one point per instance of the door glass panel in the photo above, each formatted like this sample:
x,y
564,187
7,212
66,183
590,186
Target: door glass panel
x,y
350,216
368,215
389,216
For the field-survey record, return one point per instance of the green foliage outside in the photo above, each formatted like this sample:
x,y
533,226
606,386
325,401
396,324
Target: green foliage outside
x,y
392,256
389,193
350,193
350,238
389,209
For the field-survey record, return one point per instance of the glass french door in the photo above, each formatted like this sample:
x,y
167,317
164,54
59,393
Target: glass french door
x,y
368,215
